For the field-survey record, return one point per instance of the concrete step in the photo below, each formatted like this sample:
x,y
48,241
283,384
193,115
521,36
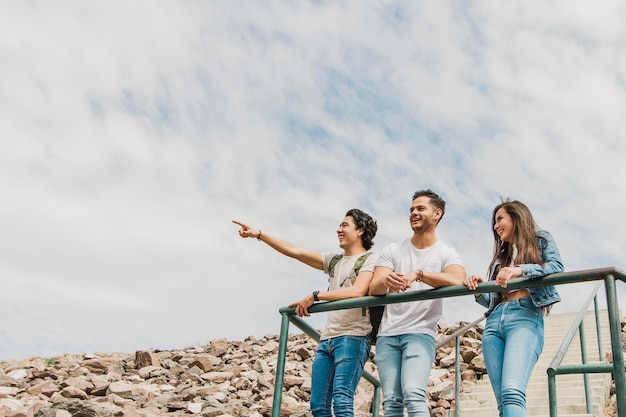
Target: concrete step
x,y
533,408
577,410
485,392
571,380
535,401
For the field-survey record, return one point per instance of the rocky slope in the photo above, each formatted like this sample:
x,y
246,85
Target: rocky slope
x,y
223,378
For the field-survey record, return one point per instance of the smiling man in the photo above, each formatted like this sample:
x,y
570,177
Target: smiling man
x,y
345,341
405,348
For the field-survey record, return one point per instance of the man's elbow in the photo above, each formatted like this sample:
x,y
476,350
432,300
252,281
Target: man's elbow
x,y
377,290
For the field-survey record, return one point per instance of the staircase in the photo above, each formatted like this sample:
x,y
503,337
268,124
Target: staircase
x,y
480,401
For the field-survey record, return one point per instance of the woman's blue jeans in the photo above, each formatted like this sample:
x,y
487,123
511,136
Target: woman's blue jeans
x,y
512,343
337,370
404,364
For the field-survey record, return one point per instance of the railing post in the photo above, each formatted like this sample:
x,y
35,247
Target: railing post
x,y
598,329
552,392
616,345
583,358
457,377
376,401
279,379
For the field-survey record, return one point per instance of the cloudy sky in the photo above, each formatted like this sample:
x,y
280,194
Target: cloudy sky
x,y
132,133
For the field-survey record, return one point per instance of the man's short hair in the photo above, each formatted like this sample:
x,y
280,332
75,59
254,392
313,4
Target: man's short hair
x,y
435,200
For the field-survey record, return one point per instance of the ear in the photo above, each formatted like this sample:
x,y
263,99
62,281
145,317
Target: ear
x,y
437,213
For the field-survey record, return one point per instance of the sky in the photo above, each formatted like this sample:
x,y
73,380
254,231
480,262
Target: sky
x,y
132,133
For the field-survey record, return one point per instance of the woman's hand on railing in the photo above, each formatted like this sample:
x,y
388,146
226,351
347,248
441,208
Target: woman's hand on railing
x,y
472,282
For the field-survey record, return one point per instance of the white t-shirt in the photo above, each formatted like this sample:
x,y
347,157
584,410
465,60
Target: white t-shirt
x,y
354,321
415,316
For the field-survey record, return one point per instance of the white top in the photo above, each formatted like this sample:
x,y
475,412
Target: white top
x,y
354,321
415,316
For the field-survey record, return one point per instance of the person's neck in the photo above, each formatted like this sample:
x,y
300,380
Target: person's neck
x,y
354,250
424,240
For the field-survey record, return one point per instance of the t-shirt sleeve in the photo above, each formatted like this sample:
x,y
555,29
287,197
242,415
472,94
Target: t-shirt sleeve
x,y
386,257
326,257
452,257
370,263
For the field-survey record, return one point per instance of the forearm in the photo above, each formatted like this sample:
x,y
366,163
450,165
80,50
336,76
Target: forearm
x,y
378,286
550,255
452,275
537,271
313,259
342,294
280,245
483,299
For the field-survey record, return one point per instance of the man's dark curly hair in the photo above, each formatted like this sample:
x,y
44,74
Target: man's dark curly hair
x,y
364,221
435,200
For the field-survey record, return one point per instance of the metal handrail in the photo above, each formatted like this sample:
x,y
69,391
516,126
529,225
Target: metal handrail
x,y
577,326
608,274
617,368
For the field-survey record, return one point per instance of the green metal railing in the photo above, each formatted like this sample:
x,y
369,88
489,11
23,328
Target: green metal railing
x,y
609,275
555,367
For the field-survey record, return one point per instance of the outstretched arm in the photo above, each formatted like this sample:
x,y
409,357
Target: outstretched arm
x,y
311,258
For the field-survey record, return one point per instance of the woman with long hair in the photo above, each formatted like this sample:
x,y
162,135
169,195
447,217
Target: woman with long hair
x,y
513,334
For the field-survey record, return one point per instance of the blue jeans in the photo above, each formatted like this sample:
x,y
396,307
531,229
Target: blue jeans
x,y
337,370
512,343
404,364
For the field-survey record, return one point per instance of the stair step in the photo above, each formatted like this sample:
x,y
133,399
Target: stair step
x,y
538,392
536,401
560,379
486,411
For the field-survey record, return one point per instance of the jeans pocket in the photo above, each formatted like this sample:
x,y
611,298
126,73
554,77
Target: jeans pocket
x,y
526,304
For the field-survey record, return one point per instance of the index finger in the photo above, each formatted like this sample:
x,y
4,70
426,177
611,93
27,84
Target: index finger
x,y
239,223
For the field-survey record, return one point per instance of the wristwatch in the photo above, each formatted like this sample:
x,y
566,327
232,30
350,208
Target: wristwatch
x,y
315,295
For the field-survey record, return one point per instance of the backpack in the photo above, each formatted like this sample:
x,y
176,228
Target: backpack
x,y
376,312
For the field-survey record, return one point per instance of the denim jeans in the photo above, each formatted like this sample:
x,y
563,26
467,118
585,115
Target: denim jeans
x,y
512,343
337,370
404,364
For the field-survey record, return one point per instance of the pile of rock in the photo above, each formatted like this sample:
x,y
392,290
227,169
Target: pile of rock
x,y
223,378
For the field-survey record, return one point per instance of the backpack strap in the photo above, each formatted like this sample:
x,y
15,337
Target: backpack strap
x,y
359,262
332,263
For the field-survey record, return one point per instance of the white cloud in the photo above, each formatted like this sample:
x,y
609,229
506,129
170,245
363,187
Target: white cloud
x,y
132,133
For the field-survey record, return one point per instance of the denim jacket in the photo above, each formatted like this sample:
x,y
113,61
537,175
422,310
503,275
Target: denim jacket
x,y
540,296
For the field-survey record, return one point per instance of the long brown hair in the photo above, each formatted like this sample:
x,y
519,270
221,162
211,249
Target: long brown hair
x,y
523,236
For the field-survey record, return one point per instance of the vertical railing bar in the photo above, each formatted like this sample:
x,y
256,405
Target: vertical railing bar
x,y
280,365
376,401
583,358
619,376
598,329
552,393
457,377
